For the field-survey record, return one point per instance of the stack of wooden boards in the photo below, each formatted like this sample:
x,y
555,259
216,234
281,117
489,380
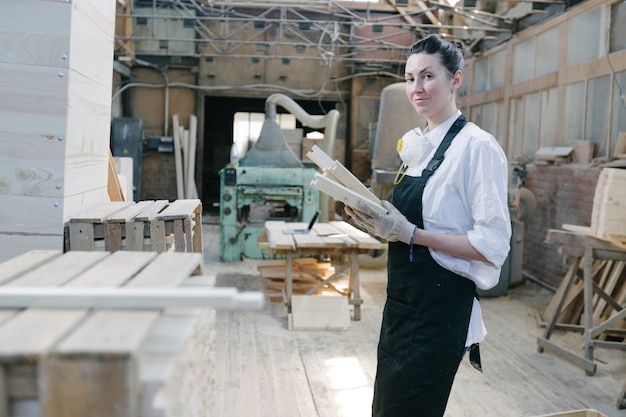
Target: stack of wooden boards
x,y
307,273
338,182
185,143
608,218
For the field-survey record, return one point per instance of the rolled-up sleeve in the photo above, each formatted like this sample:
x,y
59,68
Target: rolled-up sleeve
x,y
487,190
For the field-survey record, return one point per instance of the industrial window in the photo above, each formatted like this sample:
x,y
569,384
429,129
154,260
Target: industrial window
x,y
617,36
532,116
587,113
516,126
574,112
481,75
247,127
490,117
525,115
618,119
523,61
489,72
548,124
546,53
585,34
598,112
536,57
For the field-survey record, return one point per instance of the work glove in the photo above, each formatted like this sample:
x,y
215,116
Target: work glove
x,y
392,226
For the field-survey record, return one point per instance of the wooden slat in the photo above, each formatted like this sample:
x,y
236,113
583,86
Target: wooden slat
x,y
25,263
178,161
94,370
109,332
35,331
151,211
114,187
180,209
60,270
128,213
43,42
114,270
137,230
364,240
128,298
100,212
275,236
168,270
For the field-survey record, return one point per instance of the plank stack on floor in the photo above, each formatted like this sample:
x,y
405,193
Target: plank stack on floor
x,y
307,273
608,218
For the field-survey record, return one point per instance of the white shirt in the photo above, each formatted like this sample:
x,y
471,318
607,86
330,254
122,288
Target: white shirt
x,y
467,195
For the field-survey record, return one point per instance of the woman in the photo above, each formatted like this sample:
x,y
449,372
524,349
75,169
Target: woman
x,y
448,231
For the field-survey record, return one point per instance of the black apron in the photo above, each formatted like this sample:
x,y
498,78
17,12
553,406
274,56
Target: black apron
x,y
425,319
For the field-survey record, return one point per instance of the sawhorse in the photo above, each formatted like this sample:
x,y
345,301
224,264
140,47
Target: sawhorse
x,y
579,247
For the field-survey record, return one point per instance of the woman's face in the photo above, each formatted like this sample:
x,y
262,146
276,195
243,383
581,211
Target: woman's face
x,y
430,88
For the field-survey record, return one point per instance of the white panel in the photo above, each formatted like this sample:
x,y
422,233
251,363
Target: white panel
x,y
546,58
549,116
597,120
531,124
43,41
523,61
618,122
584,37
480,75
574,108
497,63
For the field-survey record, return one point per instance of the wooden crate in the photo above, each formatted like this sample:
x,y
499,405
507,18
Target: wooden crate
x,y
73,362
158,226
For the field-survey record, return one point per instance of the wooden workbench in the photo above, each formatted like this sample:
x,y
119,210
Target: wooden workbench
x,y
335,237
63,358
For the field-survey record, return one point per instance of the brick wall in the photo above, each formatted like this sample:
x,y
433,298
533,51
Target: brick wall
x,y
564,196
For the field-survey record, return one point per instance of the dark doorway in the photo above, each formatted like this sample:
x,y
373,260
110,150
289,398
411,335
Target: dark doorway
x,y
218,137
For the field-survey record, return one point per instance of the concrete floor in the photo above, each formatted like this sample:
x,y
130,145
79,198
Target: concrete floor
x,y
262,369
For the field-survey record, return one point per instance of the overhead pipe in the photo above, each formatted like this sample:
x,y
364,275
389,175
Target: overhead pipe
x,y
328,122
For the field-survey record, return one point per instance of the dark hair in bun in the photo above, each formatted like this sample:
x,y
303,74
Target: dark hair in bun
x,y
451,53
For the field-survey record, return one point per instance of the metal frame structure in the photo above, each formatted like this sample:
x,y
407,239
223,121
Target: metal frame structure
x,y
314,30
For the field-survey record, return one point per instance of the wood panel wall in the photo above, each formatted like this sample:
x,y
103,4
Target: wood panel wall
x,y
56,58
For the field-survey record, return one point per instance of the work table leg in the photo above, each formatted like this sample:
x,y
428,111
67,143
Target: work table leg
x,y
4,397
588,303
354,285
288,280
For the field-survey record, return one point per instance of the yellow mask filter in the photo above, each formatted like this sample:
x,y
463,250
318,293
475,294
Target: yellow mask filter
x,y
400,145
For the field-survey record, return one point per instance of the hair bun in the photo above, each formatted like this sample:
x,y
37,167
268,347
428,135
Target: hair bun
x,y
458,44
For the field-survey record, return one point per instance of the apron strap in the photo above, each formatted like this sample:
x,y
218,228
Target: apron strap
x,y
437,159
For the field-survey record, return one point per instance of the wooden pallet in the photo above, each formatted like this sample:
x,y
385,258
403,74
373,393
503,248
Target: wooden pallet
x,y
81,361
143,226
102,362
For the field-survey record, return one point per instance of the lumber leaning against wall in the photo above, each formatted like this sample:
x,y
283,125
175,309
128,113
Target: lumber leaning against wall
x,y
56,60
